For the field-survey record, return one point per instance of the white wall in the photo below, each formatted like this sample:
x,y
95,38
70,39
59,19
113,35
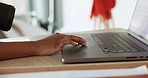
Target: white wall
x,y
123,12
7,1
20,5
76,14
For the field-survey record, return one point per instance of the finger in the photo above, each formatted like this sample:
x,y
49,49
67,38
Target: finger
x,y
78,39
65,42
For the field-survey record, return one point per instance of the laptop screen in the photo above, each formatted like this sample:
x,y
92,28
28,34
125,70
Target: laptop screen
x,y
139,23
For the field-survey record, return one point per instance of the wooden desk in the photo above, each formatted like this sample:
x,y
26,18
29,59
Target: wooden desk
x,y
53,63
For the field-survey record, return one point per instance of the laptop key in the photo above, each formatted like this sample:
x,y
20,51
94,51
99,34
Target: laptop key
x,y
119,49
97,39
113,50
104,48
126,49
142,50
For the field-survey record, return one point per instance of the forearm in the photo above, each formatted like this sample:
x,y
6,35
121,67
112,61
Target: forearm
x,y
46,46
9,50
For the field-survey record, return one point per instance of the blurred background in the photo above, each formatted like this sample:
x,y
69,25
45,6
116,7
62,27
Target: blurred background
x,y
39,17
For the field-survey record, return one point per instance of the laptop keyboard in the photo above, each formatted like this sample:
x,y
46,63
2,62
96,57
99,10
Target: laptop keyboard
x,y
116,43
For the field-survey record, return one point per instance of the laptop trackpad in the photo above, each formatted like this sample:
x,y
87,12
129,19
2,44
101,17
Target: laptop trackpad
x,y
91,50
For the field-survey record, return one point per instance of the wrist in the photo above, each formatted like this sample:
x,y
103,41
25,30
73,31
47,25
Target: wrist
x,y
37,48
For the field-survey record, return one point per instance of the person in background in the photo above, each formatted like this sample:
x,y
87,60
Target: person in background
x,y
43,47
102,9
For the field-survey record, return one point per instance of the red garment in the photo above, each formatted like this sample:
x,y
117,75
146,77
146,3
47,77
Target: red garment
x,y
103,8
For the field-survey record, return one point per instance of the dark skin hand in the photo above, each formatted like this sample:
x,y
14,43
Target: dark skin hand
x,y
57,42
47,46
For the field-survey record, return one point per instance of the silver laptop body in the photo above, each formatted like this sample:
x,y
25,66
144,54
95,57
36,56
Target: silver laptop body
x,y
109,47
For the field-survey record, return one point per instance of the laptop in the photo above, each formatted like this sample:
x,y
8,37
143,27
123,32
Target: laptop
x,y
109,46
